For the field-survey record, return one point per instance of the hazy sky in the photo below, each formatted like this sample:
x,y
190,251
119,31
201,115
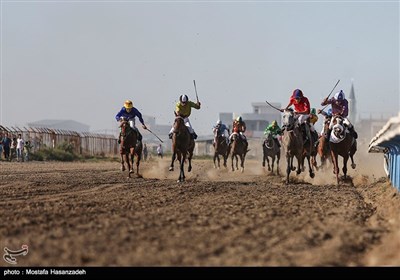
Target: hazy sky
x,y
80,60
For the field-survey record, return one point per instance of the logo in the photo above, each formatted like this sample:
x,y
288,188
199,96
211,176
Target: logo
x,y
10,255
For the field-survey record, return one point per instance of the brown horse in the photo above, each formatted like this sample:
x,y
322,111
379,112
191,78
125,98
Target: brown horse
x,y
323,149
220,148
272,150
129,148
309,151
292,142
342,143
238,148
182,147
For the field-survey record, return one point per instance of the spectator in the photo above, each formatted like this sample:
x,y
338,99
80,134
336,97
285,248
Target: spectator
x,y
6,141
20,148
27,149
160,151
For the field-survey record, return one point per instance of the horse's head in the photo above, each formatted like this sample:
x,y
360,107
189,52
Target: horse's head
x,y
269,140
125,127
288,119
339,131
179,125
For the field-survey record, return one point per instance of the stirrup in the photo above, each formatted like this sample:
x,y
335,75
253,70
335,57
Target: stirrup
x,y
170,135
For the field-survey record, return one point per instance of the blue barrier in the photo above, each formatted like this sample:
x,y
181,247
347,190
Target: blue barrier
x,y
387,141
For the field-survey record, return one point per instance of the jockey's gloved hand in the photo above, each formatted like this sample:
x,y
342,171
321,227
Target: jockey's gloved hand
x,y
144,126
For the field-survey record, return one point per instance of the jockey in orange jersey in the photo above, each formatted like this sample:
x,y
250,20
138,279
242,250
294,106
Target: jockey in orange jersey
x,y
183,109
238,127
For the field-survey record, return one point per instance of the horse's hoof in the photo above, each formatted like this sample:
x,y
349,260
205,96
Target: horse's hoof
x,y
139,176
293,168
171,169
189,169
353,166
269,168
131,171
312,175
123,168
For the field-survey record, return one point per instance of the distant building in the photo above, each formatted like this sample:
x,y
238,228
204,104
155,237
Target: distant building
x,y
352,105
61,124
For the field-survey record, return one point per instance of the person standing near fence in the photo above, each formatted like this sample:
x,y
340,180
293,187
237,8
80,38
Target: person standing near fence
x,y
20,148
160,151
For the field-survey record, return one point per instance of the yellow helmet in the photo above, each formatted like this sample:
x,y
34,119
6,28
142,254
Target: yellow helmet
x,y
128,104
274,123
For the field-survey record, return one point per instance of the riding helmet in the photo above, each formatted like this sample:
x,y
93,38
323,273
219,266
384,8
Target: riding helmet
x,y
128,104
339,95
183,98
297,93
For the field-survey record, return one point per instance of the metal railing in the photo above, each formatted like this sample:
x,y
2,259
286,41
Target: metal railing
x,y
387,141
82,143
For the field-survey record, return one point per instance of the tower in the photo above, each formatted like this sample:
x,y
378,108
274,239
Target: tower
x,y
352,105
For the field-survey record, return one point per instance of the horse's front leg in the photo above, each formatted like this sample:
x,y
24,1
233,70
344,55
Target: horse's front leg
x,y
272,164
232,156
300,164
345,159
182,169
263,162
237,162
122,162
131,161
289,162
310,167
138,158
214,159
171,168
269,167
334,157
242,157
190,162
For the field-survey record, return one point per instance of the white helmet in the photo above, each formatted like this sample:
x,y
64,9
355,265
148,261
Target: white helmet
x,y
183,98
339,95
219,122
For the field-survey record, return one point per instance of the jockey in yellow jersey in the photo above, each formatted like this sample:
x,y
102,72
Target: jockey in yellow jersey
x,y
183,109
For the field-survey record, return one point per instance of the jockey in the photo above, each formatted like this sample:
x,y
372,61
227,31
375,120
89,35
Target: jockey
x,y
239,126
275,130
219,129
313,120
183,109
129,113
302,109
340,107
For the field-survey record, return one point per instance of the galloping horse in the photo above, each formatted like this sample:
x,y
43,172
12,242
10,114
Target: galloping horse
x,y
271,149
342,143
238,148
220,148
292,142
129,148
323,148
309,152
182,147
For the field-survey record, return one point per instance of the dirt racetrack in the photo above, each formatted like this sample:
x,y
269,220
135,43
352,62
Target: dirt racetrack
x,y
85,214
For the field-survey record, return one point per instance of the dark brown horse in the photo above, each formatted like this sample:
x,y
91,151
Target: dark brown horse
x,y
221,148
292,142
182,147
342,143
238,148
309,152
130,148
323,149
272,150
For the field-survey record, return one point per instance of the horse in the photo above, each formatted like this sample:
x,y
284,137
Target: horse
x,y
323,148
238,148
342,143
130,148
272,150
182,147
309,152
292,142
220,148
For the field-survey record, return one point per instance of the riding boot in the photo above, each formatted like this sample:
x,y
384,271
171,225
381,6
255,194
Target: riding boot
x,y
277,142
194,135
353,132
328,134
139,136
119,138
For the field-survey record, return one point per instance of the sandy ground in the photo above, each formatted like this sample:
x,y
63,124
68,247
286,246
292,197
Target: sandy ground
x,y
85,214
